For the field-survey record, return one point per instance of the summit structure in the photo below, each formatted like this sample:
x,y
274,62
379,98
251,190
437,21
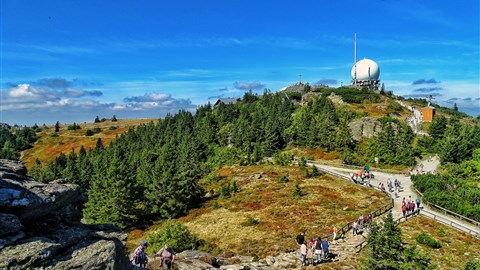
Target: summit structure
x,y
365,73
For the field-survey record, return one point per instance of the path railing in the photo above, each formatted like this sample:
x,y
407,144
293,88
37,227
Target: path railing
x,y
377,212
446,211
357,167
449,222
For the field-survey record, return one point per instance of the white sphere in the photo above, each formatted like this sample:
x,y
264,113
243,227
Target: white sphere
x,y
366,70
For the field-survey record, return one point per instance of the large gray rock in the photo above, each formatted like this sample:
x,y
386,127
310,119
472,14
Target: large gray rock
x,y
364,127
40,227
30,199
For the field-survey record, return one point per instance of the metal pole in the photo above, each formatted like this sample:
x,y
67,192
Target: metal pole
x,y
355,58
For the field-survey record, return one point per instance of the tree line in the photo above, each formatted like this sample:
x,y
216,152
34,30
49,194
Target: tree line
x,y
14,140
151,172
456,186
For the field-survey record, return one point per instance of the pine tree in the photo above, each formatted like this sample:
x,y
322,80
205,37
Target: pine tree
x,y
297,192
385,249
36,171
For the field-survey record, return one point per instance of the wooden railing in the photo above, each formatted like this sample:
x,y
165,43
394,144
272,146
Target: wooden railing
x,y
449,222
446,211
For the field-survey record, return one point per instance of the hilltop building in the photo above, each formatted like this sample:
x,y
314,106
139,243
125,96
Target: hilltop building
x,y
226,101
365,73
428,113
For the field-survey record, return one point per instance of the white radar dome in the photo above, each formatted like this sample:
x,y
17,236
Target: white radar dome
x,y
366,70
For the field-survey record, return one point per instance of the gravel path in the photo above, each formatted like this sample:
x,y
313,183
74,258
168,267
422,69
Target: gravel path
x,y
409,190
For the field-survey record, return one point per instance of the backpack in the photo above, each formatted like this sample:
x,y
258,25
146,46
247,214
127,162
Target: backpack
x,y
166,254
141,257
318,245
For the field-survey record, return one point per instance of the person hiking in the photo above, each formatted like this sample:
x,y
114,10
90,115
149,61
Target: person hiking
x,y
333,230
300,239
418,202
404,211
139,257
303,253
318,250
355,228
325,248
167,256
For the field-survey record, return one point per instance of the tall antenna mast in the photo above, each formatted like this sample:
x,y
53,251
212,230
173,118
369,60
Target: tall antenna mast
x,y
355,58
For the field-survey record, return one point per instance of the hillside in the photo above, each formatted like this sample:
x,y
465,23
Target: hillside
x,y
48,146
262,218
212,170
228,225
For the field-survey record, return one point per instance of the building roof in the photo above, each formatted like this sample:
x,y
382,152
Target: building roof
x,y
226,101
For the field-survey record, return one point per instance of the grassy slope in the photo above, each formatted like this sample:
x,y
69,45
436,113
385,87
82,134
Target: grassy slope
x,y
326,201
457,247
47,147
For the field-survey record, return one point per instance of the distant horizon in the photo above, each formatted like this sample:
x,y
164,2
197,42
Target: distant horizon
x,y
212,102
66,61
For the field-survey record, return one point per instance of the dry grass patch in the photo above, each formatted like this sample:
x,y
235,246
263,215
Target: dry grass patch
x,y
457,247
325,201
49,147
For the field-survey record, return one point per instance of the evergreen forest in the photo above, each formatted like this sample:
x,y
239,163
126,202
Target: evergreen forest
x,y
152,172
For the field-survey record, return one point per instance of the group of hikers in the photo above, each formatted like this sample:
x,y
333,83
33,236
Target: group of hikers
x,y
317,247
393,186
361,223
408,206
361,176
140,259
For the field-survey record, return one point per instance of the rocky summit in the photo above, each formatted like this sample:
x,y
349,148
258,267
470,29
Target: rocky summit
x,y
41,228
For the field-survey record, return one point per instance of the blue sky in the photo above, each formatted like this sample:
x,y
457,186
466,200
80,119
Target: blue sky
x,y
70,61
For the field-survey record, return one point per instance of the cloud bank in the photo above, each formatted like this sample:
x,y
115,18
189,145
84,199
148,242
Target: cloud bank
x,y
327,82
248,85
424,81
51,100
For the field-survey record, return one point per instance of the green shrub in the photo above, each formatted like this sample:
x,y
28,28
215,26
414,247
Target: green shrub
x,y
112,127
427,240
89,132
54,135
283,179
281,159
297,192
471,265
302,162
175,234
251,221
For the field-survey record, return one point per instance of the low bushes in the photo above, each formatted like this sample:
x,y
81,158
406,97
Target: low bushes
x,y
427,240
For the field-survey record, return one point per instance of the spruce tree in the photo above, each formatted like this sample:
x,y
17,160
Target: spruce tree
x,y
385,249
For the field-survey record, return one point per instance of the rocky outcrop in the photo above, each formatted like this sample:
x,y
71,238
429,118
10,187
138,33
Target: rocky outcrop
x,y
199,260
40,227
364,127
336,99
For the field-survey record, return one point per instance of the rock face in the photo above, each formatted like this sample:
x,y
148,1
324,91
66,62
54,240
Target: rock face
x,y
193,259
364,127
40,227
337,99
